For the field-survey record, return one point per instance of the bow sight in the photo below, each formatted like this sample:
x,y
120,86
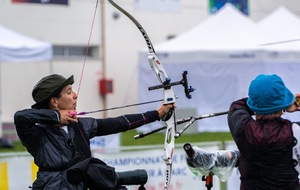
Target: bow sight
x,y
184,82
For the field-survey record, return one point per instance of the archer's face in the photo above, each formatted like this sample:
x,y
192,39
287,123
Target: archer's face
x,y
68,99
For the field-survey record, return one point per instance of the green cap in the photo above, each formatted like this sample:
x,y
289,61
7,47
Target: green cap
x,y
48,87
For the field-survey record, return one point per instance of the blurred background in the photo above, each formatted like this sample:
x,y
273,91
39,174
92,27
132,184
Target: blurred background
x,y
104,54
223,44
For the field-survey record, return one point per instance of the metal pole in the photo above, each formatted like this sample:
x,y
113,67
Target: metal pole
x,y
1,97
103,53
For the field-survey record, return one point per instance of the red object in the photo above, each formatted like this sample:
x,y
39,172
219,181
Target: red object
x,y
105,86
209,181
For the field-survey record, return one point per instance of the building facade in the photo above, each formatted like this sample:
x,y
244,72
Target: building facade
x,y
69,28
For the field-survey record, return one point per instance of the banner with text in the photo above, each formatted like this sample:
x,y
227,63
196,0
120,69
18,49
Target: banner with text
x,y
62,2
152,161
18,171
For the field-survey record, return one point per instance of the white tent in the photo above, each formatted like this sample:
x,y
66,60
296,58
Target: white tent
x,y
222,57
229,33
15,47
282,35
280,26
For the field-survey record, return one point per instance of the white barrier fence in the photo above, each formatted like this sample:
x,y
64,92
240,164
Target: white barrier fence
x,y
17,170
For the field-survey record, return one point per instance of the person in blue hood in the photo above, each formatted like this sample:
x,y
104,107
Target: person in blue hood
x,y
268,143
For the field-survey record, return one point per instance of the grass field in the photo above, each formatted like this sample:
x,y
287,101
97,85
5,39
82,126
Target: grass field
x,y
158,138
127,139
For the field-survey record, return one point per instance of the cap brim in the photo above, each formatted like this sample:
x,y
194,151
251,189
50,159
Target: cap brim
x,y
42,103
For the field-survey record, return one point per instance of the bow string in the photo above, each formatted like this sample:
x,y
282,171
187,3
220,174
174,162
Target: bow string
x,y
87,48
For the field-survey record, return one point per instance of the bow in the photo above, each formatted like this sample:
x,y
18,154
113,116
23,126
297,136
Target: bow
x,y
169,97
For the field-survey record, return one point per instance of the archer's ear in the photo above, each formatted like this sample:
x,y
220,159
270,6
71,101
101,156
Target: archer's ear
x,y
53,102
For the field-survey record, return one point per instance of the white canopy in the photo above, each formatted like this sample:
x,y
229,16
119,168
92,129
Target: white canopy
x,y
228,33
280,26
15,47
228,29
282,31
222,57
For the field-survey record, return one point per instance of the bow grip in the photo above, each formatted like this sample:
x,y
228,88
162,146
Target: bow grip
x,y
168,115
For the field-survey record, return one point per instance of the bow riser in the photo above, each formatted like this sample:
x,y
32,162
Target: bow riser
x,y
169,149
169,141
169,96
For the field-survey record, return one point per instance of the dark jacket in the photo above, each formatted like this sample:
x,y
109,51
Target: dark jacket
x,y
54,149
95,174
265,147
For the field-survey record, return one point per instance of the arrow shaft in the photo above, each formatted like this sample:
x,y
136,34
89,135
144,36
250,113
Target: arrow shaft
x,y
119,107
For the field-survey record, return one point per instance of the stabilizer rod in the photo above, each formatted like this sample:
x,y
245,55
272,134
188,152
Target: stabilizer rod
x,y
191,120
